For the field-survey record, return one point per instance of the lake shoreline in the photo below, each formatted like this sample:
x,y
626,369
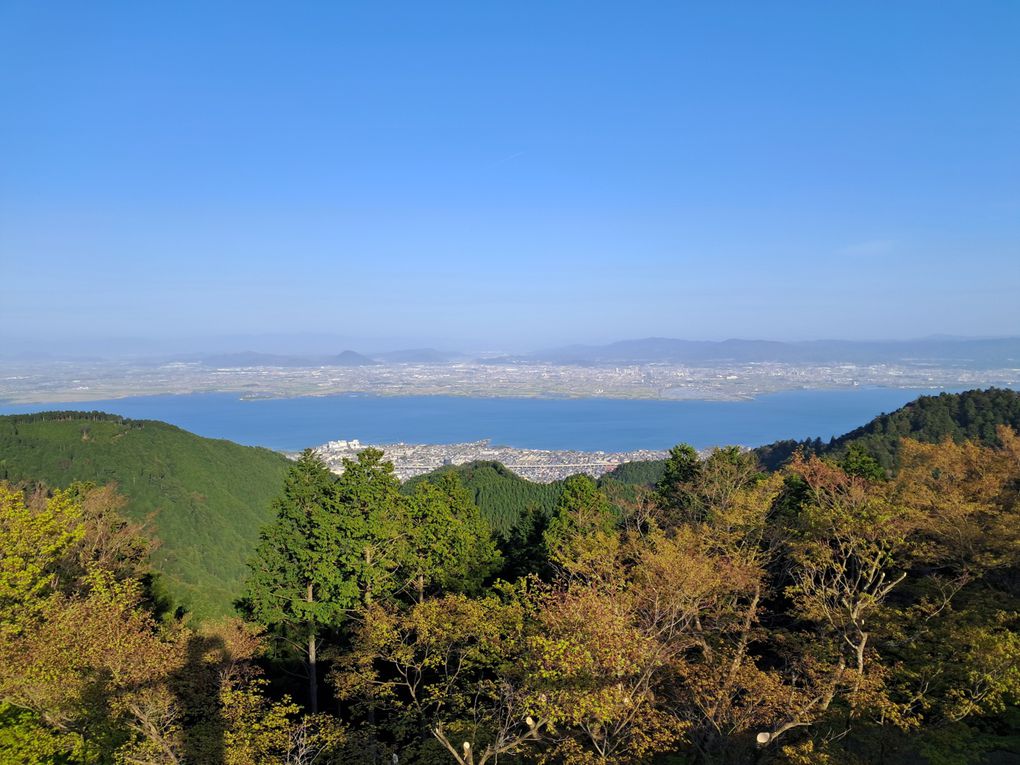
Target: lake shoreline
x,y
582,424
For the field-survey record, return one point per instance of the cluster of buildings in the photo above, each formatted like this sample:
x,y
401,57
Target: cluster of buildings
x,y
541,465
30,381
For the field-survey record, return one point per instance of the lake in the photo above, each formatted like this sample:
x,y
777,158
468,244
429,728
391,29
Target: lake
x,y
585,424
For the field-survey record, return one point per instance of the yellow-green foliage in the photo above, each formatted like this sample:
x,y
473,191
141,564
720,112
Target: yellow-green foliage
x,y
260,730
32,542
206,498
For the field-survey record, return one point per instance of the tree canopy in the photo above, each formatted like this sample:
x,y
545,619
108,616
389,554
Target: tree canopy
x,y
833,611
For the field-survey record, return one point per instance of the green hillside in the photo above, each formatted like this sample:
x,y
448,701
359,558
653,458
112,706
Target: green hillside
x,y
641,472
207,497
972,415
501,494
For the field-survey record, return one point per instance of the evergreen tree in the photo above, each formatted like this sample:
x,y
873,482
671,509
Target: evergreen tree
x,y
296,587
523,546
858,462
581,538
450,544
371,527
682,469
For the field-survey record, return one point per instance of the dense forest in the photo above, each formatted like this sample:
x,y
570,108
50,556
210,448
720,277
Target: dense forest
x,y
831,611
503,495
973,415
204,499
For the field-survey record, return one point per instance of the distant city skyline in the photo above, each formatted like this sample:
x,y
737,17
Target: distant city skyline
x,y
507,177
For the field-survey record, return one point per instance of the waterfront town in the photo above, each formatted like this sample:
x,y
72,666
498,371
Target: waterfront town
x,y
539,465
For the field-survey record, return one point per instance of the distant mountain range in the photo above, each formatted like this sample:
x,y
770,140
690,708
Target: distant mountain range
x,y
979,353
971,353
976,353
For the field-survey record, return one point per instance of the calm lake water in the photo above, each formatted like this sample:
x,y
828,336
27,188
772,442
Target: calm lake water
x,y
585,424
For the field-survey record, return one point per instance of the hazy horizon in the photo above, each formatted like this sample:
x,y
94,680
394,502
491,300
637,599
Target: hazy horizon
x,y
311,344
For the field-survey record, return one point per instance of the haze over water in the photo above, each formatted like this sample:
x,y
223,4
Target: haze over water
x,y
590,424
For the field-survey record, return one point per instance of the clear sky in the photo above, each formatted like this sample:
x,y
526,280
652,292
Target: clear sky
x,y
509,174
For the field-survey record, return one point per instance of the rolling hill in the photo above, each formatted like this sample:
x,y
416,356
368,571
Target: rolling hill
x,y
207,498
504,497
501,494
972,415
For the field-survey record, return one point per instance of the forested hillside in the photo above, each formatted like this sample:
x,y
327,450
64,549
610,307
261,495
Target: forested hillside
x,y
643,472
812,616
972,415
502,495
206,498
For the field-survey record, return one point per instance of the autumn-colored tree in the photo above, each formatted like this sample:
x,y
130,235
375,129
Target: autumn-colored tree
x,y
683,603
595,676
848,555
447,672
258,729
955,641
87,674
968,501
714,572
109,540
94,669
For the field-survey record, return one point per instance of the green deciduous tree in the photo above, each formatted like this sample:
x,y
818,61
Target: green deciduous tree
x,y
34,546
95,668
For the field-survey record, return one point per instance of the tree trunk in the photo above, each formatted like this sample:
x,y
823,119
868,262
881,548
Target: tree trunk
x,y
313,679
373,747
722,701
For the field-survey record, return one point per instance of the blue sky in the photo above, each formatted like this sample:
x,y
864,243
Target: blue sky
x,y
509,175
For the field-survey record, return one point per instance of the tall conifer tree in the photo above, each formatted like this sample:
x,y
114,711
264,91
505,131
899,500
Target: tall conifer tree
x,y
295,587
